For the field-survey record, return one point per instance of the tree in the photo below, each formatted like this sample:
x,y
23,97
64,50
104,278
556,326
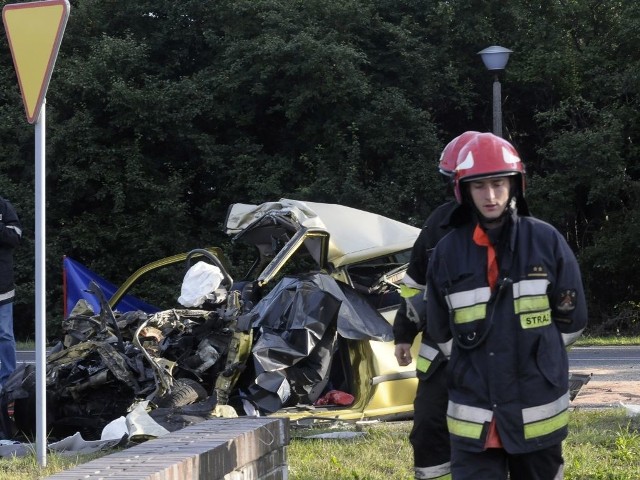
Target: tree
x,y
161,114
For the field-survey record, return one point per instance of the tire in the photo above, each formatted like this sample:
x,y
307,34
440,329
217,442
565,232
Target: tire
x,y
185,391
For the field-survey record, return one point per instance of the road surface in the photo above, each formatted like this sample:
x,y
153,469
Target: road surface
x,y
615,374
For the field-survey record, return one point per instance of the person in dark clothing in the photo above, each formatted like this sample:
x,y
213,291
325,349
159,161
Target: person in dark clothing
x,y
429,436
504,301
10,236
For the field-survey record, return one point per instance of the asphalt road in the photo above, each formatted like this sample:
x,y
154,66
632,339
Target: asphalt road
x,y
614,375
26,356
619,361
613,363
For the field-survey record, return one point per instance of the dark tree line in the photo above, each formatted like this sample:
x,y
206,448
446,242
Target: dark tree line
x,y
160,114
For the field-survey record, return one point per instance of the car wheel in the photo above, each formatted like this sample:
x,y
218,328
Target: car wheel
x,y
185,391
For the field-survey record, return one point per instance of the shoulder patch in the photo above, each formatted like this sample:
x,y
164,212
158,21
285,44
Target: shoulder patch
x,y
567,301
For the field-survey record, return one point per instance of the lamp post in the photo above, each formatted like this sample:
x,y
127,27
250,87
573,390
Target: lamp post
x,y
495,59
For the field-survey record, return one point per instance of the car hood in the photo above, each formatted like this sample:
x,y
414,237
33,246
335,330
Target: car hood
x,y
355,235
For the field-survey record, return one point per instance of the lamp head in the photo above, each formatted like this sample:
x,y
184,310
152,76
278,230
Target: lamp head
x,y
495,58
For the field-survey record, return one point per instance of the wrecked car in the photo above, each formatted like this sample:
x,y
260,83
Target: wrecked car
x,y
304,332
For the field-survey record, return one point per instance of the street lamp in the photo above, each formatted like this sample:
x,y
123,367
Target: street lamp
x,y
495,59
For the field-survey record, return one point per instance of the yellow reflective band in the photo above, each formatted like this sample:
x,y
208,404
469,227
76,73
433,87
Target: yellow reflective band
x,y
464,429
470,314
545,427
531,304
408,292
422,364
536,319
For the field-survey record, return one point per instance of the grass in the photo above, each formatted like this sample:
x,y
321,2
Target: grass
x,y
27,467
602,445
383,452
28,345
612,341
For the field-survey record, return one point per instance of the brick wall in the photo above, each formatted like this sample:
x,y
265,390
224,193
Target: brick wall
x,y
217,449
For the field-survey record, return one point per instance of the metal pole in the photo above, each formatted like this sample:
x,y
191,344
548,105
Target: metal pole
x,y
41,388
497,107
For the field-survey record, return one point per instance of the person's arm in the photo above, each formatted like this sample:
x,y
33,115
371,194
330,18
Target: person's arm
x,y
417,270
402,353
10,227
411,318
437,311
405,330
407,323
568,302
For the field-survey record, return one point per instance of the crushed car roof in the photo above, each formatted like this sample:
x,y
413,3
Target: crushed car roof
x,y
375,235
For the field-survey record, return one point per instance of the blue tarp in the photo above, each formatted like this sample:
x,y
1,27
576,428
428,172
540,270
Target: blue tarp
x,y
77,278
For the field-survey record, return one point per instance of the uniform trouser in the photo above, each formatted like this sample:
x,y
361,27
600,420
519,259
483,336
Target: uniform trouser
x,y
497,464
7,342
429,436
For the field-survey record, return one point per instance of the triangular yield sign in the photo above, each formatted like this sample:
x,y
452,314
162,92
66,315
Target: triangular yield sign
x,y
34,31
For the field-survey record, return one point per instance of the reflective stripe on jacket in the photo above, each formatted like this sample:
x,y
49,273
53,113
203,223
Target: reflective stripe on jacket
x,y
508,356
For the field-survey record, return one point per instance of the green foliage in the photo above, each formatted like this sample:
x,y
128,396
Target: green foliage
x,y
161,114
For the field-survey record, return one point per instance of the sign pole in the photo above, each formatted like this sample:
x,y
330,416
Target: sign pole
x,y
41,323
34,31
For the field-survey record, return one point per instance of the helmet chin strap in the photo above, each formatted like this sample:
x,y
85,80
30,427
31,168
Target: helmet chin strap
x,y
496,222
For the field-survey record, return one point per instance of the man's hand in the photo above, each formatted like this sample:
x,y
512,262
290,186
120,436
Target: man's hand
x,y
403,354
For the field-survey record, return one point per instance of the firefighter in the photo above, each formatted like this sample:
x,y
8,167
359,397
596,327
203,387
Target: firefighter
x,y
504,300
429,436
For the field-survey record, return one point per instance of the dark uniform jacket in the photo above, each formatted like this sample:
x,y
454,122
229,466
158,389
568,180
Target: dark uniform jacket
x,y
410,319
507,346
10,235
